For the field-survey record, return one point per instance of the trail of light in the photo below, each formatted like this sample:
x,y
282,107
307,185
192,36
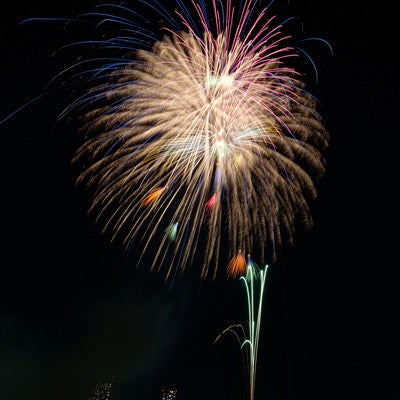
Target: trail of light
x,y
254,317
254,282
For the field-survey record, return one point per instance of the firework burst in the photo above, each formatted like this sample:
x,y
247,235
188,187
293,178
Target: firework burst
x,y
209,133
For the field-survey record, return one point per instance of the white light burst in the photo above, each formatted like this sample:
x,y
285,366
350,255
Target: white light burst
x,y
207,134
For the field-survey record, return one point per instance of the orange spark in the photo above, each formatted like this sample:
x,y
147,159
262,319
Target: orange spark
x,y
153,196
237,266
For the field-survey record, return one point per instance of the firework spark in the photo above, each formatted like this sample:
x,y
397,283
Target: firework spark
x,y
210,131
237,266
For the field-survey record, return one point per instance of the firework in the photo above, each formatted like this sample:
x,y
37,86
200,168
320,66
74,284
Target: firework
x,y
204,143
249,339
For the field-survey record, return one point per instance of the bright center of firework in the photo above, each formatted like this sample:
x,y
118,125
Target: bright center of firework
x,y
215,81
220,145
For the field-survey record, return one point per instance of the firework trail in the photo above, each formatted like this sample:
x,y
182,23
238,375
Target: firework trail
x,y
248,339
206,142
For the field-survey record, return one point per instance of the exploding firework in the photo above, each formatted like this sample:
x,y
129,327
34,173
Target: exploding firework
x,y
205,143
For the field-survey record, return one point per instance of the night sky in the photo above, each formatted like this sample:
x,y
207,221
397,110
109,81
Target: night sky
x,y
75,310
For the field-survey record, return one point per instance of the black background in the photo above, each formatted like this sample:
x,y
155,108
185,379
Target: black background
x,y
74,311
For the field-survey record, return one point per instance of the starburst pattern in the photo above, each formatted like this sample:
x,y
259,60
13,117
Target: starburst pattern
x,y
209,133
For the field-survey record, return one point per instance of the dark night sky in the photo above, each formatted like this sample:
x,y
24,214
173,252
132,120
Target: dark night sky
x,y
74,312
